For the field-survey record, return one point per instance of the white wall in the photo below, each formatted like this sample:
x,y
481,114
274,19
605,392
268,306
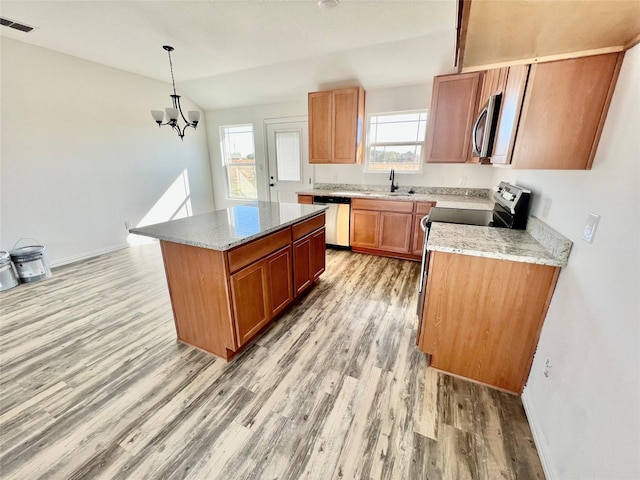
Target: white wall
x,y
587,412
81,153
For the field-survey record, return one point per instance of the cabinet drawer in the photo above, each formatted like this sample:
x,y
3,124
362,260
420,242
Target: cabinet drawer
x,y
382,205
249,253
424,207
307,226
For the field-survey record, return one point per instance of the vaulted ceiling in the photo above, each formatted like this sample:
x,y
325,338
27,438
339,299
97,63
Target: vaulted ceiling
x,y
232,53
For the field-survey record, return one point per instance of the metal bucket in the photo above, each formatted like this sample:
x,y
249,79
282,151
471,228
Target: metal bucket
x,y
8,274
31,263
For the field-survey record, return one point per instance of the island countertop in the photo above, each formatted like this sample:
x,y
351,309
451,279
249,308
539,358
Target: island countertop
x,y
230,227
502,243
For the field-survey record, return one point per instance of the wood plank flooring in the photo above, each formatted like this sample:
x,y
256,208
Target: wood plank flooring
x,y
94,385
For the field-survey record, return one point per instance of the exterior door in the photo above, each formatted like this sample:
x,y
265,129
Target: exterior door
x,y
288,158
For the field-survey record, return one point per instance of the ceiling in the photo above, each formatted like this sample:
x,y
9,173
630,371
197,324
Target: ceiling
x,y
233,53
532,29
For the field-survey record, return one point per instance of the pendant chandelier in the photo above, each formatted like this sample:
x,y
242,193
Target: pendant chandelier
x,y
175,112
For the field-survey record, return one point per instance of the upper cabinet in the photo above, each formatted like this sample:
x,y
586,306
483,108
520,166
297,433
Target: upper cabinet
x,y
454,104
564,109
336,123
551,114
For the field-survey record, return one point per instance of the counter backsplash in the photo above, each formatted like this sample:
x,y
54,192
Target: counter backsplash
x,y
469,192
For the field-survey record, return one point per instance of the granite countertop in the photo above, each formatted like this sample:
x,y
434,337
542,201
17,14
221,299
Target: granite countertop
x,y
477,199
228,228
539,244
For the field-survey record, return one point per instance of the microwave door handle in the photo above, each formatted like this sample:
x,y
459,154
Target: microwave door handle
x,y
474,131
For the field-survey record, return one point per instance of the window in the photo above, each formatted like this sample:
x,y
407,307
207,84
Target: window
x,y
238,159
288,158
396,140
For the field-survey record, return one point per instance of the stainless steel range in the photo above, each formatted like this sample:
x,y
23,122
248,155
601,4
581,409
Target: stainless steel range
x,y
511,210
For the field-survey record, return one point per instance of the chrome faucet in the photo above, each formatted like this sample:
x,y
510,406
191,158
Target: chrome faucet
x,y
394,186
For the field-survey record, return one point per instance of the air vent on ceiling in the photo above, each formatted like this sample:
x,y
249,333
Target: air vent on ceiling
x,y
18,26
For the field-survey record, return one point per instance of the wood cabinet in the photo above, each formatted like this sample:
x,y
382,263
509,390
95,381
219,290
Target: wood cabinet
x,y
222,299
308,259
565,106
260,292
454,104
336,123
512,97
552,113
388,227
481,317
395,232
306,199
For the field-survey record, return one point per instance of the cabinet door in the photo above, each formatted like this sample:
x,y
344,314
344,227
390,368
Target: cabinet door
x,y
301,264
280,286
453,109
250,300
365,228
395,232
564,109
512,97
306,199
320,125
318,253
345,125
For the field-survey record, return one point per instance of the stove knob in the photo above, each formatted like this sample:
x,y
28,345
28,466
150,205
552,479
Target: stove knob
x,y
512,197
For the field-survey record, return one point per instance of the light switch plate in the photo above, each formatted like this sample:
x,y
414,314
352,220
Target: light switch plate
x,y
590,227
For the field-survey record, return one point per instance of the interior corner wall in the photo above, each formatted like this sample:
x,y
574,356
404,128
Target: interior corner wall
x,y
586,413
81,155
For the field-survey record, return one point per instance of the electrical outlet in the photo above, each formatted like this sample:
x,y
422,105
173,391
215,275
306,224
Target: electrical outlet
x,y
335,177
547,207
590,228
547,368
463,181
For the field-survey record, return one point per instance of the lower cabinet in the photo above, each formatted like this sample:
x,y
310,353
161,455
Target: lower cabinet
x,y
481,317
308,260
388,227
395,232
261,291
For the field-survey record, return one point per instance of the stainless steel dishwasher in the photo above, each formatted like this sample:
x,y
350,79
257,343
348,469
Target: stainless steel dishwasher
x,y
338,218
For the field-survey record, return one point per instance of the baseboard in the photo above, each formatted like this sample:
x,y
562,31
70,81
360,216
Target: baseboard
x,y
538,437
83,256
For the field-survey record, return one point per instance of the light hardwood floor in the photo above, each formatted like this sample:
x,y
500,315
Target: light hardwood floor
x,y
94,385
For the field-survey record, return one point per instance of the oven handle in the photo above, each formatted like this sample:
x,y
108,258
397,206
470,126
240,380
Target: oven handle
x,y
425,227
423,223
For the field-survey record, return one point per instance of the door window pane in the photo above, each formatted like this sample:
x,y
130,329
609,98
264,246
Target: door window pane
x,y
288,159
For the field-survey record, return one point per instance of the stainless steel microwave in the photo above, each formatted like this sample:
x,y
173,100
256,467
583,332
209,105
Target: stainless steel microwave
x,y
484,129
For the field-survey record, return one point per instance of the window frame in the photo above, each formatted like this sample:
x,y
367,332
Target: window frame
x,y
223,132
369,144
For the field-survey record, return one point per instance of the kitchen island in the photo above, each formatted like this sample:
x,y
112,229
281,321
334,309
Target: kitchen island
x,y
231,272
